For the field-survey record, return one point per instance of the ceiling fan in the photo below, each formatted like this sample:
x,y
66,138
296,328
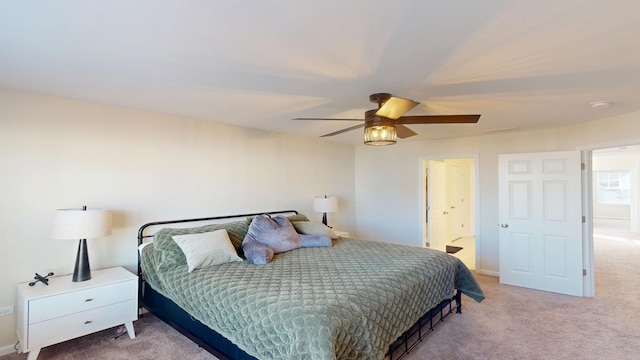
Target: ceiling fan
x,y
382,126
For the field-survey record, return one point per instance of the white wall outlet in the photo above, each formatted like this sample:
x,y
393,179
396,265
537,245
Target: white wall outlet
x,y
6,310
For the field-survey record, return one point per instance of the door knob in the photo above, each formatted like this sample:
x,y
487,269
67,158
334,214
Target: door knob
x,y
445,213
504,225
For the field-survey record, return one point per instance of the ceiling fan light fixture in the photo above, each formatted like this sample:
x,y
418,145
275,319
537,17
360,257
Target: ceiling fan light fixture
x,y
379,131
387,123
380,135
395,107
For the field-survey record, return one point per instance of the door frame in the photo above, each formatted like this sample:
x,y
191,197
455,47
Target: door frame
x,y
477,196
587,191
587,157
586,152
589,279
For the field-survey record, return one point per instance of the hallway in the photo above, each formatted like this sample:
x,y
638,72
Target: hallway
x,y
468,252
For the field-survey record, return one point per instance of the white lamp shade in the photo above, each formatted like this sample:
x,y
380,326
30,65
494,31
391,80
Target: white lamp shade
x,y
81,224
327,204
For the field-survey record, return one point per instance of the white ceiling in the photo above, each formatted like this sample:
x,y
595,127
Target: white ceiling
x,y
521,64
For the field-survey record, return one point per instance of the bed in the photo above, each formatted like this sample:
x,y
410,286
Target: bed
x,y
356,299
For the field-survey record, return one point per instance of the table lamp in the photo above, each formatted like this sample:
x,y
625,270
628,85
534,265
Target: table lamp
x,y
325,204
81,224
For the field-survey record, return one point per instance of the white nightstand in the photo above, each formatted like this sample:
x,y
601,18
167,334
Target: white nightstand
x,y
63,310
341,233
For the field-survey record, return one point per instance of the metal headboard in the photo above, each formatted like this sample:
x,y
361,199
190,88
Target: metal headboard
x,y
142,235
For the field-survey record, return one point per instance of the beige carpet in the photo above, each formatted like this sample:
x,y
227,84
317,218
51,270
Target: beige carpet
x,y
512,323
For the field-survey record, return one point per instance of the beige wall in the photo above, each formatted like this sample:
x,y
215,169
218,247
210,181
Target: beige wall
x,y
58,153
393,174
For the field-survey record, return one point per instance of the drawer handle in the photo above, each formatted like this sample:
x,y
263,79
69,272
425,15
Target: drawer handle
x,y
87,300
88,322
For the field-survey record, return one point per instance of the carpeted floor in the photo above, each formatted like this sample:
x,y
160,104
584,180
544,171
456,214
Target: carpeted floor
x,y
512,323
154,340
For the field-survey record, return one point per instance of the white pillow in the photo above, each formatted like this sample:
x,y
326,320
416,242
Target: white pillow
x,y
143,245
207,249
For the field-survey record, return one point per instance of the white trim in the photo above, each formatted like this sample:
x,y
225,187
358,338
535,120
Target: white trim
x,y
588,281
633,211
489,272
478,200
6,350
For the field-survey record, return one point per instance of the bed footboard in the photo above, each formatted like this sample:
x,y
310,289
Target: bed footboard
x,y
424,326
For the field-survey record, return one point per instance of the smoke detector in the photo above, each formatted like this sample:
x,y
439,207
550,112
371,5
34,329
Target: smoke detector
x,y
600,104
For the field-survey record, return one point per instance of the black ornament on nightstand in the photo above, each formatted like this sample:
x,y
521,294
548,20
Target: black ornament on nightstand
x,y
43,279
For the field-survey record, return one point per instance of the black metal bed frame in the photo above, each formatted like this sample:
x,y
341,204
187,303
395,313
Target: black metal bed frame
x,y
424,326
401,347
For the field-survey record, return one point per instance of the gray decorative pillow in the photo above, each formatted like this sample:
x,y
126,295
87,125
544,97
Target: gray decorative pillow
x,y
257,253
275,232
315,241
314,228
292,218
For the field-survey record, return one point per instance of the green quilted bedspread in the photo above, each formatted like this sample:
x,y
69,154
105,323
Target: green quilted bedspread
x,y
349,301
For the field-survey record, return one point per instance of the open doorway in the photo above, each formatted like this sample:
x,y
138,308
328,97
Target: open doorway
x,y
449,202
615,208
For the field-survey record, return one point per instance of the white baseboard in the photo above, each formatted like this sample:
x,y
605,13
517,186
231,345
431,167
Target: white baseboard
x,y
6,350
489,272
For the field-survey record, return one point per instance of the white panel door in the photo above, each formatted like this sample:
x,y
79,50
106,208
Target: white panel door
x,y
437,205
540,211
456,202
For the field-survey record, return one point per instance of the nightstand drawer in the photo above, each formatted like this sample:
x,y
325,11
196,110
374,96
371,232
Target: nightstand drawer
x,y
81,323
52,307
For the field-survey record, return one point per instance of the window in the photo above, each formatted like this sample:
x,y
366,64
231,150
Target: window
x,y
614,187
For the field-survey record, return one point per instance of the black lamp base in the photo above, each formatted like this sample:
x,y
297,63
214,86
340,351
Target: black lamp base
x,y
324,220
82,271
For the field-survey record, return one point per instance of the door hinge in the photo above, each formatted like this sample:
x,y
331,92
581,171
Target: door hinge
x,y
583,166
584,219
584,272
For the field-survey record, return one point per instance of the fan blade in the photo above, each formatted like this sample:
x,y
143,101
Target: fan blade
x,y
395,107
344,130
328,119
439,119
404,132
